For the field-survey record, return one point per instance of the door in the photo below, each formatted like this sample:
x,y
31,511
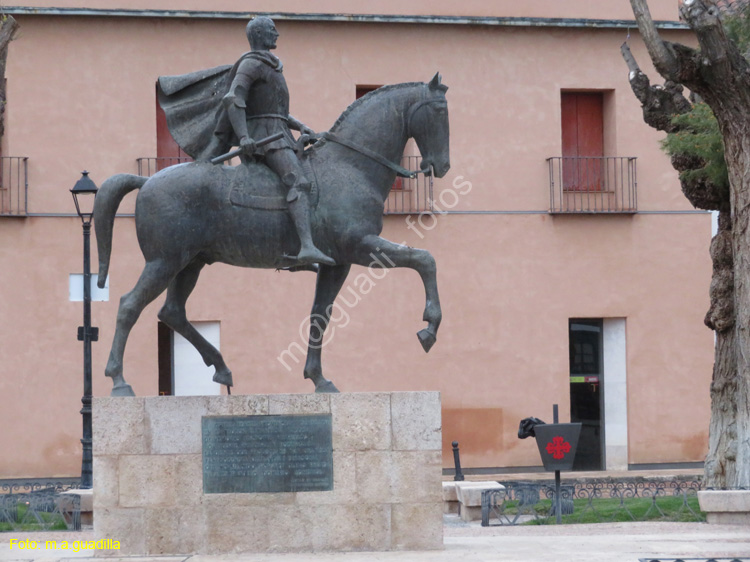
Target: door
x,y
182,371
582,140
586,396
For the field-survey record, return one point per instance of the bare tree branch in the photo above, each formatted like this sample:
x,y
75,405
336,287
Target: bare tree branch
x,y
662,56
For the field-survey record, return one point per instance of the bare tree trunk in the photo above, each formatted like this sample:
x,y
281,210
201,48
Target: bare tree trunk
x,y
8,27
721,460
720,75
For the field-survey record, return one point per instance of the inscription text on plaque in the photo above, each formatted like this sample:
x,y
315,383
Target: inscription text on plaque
x,y
292,453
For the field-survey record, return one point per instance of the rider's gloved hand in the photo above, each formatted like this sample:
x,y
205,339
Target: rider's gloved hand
x,y
247,145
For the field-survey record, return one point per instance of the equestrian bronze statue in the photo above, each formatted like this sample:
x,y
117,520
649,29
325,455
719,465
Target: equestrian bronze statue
x,y
195,214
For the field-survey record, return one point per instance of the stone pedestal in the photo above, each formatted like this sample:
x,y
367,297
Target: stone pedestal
x,y
726,507
387,495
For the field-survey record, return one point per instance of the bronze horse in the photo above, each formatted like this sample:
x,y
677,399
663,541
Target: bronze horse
x,y
185,220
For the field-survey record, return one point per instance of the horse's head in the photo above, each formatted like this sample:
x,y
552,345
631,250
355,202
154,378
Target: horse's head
x,y
427,123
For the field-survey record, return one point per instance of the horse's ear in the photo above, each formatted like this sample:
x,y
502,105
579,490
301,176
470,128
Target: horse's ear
x,y
436,84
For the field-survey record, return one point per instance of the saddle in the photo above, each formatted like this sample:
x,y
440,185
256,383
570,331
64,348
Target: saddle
x,y
255,186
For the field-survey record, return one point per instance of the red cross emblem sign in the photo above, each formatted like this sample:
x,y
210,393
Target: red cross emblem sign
x,y
557,444
558,448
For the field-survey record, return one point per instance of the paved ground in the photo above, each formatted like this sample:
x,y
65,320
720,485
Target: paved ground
x,y
613,542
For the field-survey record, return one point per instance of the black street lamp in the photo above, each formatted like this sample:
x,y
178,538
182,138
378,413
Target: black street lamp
x,y
84,193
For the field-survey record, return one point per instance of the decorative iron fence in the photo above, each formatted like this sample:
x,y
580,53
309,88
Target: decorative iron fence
x,y
14,186
590,184
39,506
592,501
148,166
408,195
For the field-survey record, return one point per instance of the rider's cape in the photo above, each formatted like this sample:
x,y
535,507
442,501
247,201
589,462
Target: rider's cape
x,y
193,105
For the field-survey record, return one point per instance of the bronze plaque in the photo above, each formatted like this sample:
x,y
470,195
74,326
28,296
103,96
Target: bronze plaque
x,y
252,454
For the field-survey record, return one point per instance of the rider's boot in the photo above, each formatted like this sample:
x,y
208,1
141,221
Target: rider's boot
x,y
299,209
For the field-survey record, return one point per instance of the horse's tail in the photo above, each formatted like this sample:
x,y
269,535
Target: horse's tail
x,y
108,199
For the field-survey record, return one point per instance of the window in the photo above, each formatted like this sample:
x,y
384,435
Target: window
x,y
168,152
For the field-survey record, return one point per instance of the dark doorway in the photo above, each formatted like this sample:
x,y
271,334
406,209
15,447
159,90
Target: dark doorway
x,y
586,397
166,377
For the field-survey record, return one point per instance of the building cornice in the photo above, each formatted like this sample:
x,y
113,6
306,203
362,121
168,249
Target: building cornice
x,y
358,18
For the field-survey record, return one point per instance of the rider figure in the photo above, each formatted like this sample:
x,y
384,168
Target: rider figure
x,y
257,106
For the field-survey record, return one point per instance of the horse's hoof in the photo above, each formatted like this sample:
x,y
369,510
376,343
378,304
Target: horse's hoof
x,y
122,390
326,386
223,377
427,339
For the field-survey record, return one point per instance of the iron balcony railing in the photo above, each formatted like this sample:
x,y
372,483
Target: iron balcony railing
x,y
14,186
408,195
593,184
148,166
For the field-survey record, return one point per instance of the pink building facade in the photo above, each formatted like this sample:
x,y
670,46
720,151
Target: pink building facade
x,y
542,305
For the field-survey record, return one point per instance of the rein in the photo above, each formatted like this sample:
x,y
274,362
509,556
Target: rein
x,y
372,155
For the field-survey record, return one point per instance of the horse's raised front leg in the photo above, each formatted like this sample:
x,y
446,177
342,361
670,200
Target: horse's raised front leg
x,y
374,251
329,283
173,315
152,282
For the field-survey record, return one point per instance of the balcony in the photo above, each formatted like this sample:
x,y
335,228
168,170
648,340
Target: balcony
x,y
408,195
148,166
593,184
14,186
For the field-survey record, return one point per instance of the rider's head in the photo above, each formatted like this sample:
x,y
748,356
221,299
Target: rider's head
x,y
261,33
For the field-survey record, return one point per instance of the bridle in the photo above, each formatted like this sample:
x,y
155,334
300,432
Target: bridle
x,y
372,155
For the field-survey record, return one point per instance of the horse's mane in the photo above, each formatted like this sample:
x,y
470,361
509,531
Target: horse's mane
x,y
368,96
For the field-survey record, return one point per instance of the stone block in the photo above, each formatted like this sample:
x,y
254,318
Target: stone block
x,y
351,527
174,530
282,404
417,526
237,405
449,492
451,508
725,507
470,493
232,530
106,482
416,421
361,421
399,476
124,525
733,518
290,529
174,424
188,480
469,513
450,498
118,426
344,483
147,481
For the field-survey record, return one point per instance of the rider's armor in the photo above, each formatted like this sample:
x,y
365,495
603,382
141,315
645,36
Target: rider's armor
x,y
259,88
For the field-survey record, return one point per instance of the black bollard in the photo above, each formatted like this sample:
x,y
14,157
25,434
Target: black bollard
x,y
457,461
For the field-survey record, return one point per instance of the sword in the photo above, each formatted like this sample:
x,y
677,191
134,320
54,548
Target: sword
x,y
238,151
